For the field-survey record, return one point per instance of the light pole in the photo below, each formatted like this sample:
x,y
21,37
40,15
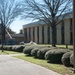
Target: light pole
x,y
74,32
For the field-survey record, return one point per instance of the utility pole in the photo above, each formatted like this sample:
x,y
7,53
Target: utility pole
x,y
74,32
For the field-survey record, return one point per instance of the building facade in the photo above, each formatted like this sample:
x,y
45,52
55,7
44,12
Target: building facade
x,y
41,33
16,39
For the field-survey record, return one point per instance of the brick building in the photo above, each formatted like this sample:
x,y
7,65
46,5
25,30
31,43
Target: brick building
x,y
16,38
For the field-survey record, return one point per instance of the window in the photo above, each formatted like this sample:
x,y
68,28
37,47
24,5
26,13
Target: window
x,y
71,32
48,31
71,25
29,34
62,32
38,34
34,34
42,34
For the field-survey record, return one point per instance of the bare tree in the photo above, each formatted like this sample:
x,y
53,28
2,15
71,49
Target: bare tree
x,y
52,12
9,11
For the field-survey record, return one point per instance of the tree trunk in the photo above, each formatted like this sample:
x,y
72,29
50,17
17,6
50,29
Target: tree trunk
x,y
3,36
4,41
54,35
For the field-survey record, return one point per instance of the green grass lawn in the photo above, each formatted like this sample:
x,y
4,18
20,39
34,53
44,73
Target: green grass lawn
x,y
58,46
8,52
55,67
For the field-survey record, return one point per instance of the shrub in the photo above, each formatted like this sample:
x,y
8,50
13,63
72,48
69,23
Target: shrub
x,y
55,56
4,47
72,59
13,48
41,52
34,52
0,47
66,59
9,48
27,50
19,48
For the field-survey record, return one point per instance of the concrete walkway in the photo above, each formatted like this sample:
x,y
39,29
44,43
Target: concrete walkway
x,y
13,66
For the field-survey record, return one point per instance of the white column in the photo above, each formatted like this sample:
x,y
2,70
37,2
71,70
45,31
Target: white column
x,y
59,34
40,34
36,34
50,35
27,34
31,33
45,34
67,31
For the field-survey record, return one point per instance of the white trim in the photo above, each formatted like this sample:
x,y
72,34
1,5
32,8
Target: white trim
x,y
38,23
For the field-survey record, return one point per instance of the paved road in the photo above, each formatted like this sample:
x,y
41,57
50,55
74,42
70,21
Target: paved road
x,y
13,66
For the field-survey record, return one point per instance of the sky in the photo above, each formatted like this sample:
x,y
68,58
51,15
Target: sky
x,y
18,24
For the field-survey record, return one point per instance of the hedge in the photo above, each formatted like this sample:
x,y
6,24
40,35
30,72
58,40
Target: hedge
x,y
34,52
72,59
19,48
6,47
9,48
66,59
0,47
54,56
13,48
27,50
41,52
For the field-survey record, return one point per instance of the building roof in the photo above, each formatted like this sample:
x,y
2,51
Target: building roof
x,y
38,23
15,35
33,24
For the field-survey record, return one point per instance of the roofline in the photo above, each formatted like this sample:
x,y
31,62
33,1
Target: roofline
x,y
38,23
15,35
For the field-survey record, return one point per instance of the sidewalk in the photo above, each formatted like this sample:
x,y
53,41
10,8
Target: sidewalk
x,y
13,66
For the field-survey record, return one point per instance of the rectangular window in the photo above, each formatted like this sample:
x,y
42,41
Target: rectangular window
x,y
38,34
43,34
48,31
62,33
34,34
71,32
71,25
29,34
